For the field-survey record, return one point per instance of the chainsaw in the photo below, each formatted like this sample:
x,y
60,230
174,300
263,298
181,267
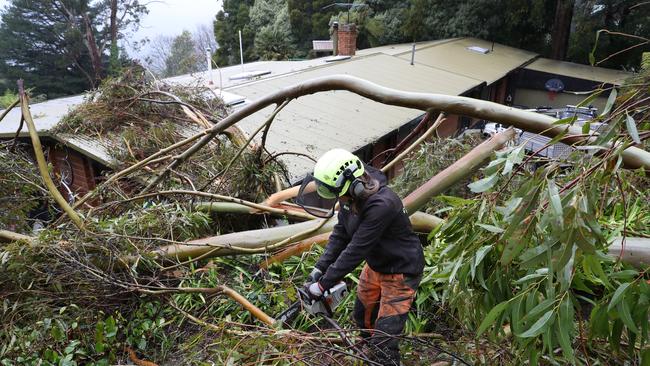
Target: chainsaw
x,y
323,306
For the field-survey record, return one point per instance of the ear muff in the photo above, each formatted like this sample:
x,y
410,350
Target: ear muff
x,y
356,188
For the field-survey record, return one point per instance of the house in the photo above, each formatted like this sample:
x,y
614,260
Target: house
x,y
308,127
463,66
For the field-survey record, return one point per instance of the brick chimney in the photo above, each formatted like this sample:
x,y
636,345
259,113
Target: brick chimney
x,y
347,35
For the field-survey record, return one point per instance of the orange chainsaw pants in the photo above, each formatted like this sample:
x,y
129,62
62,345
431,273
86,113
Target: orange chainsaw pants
x,y
381,310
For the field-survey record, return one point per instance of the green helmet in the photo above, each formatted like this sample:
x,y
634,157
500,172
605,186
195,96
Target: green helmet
x,y
335,171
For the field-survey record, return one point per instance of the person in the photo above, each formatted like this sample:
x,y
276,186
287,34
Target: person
x,y
372,226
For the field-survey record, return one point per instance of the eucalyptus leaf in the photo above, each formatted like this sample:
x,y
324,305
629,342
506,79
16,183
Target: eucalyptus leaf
x,y
494,166
529,277
610,102
539,308
587,101
624,312
478,258
618,295
491,317
554,198
626,275
491,228
631,128
564,339
539,326
484,184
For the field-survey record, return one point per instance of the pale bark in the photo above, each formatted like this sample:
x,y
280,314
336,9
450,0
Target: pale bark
x,y
635,251
253,207
420,221
457,171
9,236
40,159
93,50
529,121
252,241
256,241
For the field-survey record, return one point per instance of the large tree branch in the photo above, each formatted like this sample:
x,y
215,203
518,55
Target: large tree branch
x,y
40,158
259,240
528,121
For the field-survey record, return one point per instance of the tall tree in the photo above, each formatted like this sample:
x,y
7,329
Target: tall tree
x,y
630,20
184,57
561,29
234,18
115,52
310,20
273,40
60,46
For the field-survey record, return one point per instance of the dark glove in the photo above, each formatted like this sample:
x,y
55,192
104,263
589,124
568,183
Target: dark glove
x,y
314,276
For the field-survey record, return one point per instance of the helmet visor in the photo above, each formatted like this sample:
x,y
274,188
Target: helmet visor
x,y
316,198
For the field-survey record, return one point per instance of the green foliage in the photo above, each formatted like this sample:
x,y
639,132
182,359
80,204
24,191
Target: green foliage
x,y
274,40
22,203
534,257
517,23
430,159
45,43
627,19
310,21
234,18
7,99
183,58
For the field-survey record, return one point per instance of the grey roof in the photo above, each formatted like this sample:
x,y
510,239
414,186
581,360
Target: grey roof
x,y
46,115
585,72
319,122
402,48
220,77
316,123
454,56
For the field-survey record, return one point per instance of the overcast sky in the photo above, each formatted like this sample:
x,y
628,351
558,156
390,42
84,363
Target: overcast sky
x,y
170,17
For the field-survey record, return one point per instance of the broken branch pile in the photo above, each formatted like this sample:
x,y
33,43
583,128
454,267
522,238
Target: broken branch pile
x,y
526,249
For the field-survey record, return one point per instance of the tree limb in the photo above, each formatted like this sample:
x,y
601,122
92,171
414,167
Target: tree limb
x,y
40,159
528,121
10,236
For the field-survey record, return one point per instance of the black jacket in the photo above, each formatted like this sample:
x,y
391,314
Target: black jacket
x,y
380,234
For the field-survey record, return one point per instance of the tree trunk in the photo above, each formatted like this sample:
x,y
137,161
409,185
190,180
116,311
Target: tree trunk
x,y
113,22
635,251
9,236
93,50
114,58
256,241
561,29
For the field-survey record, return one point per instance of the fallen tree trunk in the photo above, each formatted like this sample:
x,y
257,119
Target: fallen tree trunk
x,y
456,172
241,242
636,251
529,121
256,241
420,221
